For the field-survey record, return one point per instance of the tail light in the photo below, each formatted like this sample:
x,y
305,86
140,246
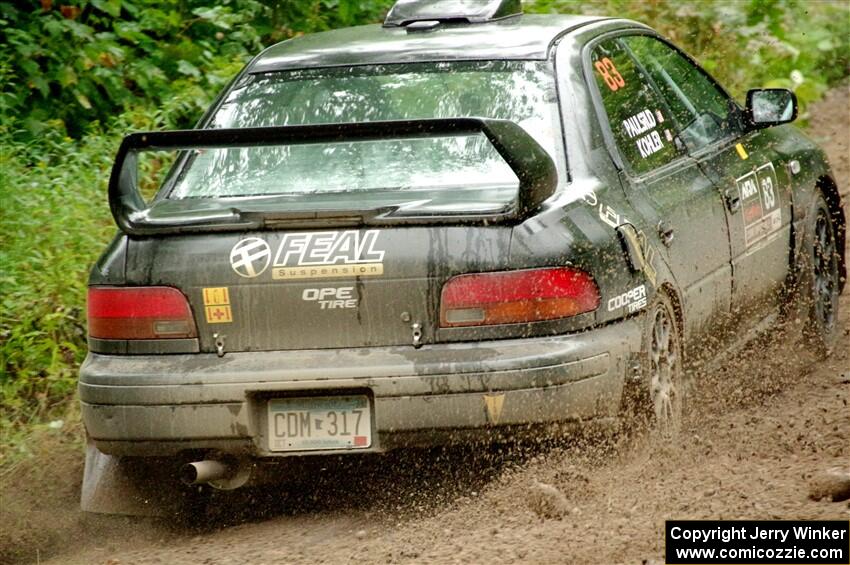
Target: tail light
x,y
512,297
152,312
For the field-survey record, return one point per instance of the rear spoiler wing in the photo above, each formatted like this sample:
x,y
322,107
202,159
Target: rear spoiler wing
x,y
531,163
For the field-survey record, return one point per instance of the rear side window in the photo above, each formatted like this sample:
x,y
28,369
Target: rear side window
x,y
639,119
702,111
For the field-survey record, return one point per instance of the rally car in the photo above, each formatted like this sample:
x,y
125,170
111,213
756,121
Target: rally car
x,y
462,222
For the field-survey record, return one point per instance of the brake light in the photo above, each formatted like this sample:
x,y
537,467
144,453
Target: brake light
x,y
151,312
511,297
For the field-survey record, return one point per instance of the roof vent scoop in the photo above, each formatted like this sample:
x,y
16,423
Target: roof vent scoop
x,y
406,12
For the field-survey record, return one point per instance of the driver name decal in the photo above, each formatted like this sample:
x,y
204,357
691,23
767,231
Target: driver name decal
x,y
641,123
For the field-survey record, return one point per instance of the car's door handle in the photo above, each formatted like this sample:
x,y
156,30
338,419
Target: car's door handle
x,y
733,201
665,232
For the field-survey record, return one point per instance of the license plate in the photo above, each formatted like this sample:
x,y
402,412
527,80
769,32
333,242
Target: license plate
x,y
318,423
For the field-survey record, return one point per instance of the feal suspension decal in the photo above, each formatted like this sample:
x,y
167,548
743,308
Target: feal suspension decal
x,y
316,255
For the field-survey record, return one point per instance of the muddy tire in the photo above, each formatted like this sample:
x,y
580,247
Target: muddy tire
x,y
815,297
656,400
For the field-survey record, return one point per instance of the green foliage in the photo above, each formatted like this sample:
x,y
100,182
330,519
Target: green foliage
x,y
291,18
93,59
55,222
798,44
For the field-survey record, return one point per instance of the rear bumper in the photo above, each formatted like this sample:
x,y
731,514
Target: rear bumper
x,y
164,404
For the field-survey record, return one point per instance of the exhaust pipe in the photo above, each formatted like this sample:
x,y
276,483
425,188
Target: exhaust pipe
x,y
201,472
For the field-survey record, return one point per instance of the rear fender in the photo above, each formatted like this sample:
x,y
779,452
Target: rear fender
x,y
111,267
583,232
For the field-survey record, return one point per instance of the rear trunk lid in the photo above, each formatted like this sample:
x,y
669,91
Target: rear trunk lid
x,y
305,289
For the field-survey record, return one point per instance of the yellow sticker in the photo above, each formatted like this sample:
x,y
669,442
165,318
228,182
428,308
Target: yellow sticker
x,y
742,153
218,314
217,305
216,296
494,403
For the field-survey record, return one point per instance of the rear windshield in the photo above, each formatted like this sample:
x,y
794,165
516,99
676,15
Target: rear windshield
x,y
435,173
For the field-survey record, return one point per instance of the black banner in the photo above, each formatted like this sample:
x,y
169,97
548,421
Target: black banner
x,y
744,542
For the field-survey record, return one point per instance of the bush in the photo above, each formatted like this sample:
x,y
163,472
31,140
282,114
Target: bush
x,y
88,61
55,222
796,44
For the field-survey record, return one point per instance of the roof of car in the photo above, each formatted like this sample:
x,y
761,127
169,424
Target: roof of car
x,y
519,37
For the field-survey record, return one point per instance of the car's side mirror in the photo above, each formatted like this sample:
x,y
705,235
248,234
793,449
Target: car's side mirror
x,y
770,107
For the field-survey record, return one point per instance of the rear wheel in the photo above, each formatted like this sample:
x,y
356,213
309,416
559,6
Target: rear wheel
x,y
818,284
658,399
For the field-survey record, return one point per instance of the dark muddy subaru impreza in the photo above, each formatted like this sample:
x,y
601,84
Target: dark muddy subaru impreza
x,y
456,224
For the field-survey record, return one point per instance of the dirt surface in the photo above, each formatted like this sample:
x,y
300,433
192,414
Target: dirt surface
x,y
762,425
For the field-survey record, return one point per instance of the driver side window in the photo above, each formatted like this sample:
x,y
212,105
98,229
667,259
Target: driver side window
x,y
703,112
